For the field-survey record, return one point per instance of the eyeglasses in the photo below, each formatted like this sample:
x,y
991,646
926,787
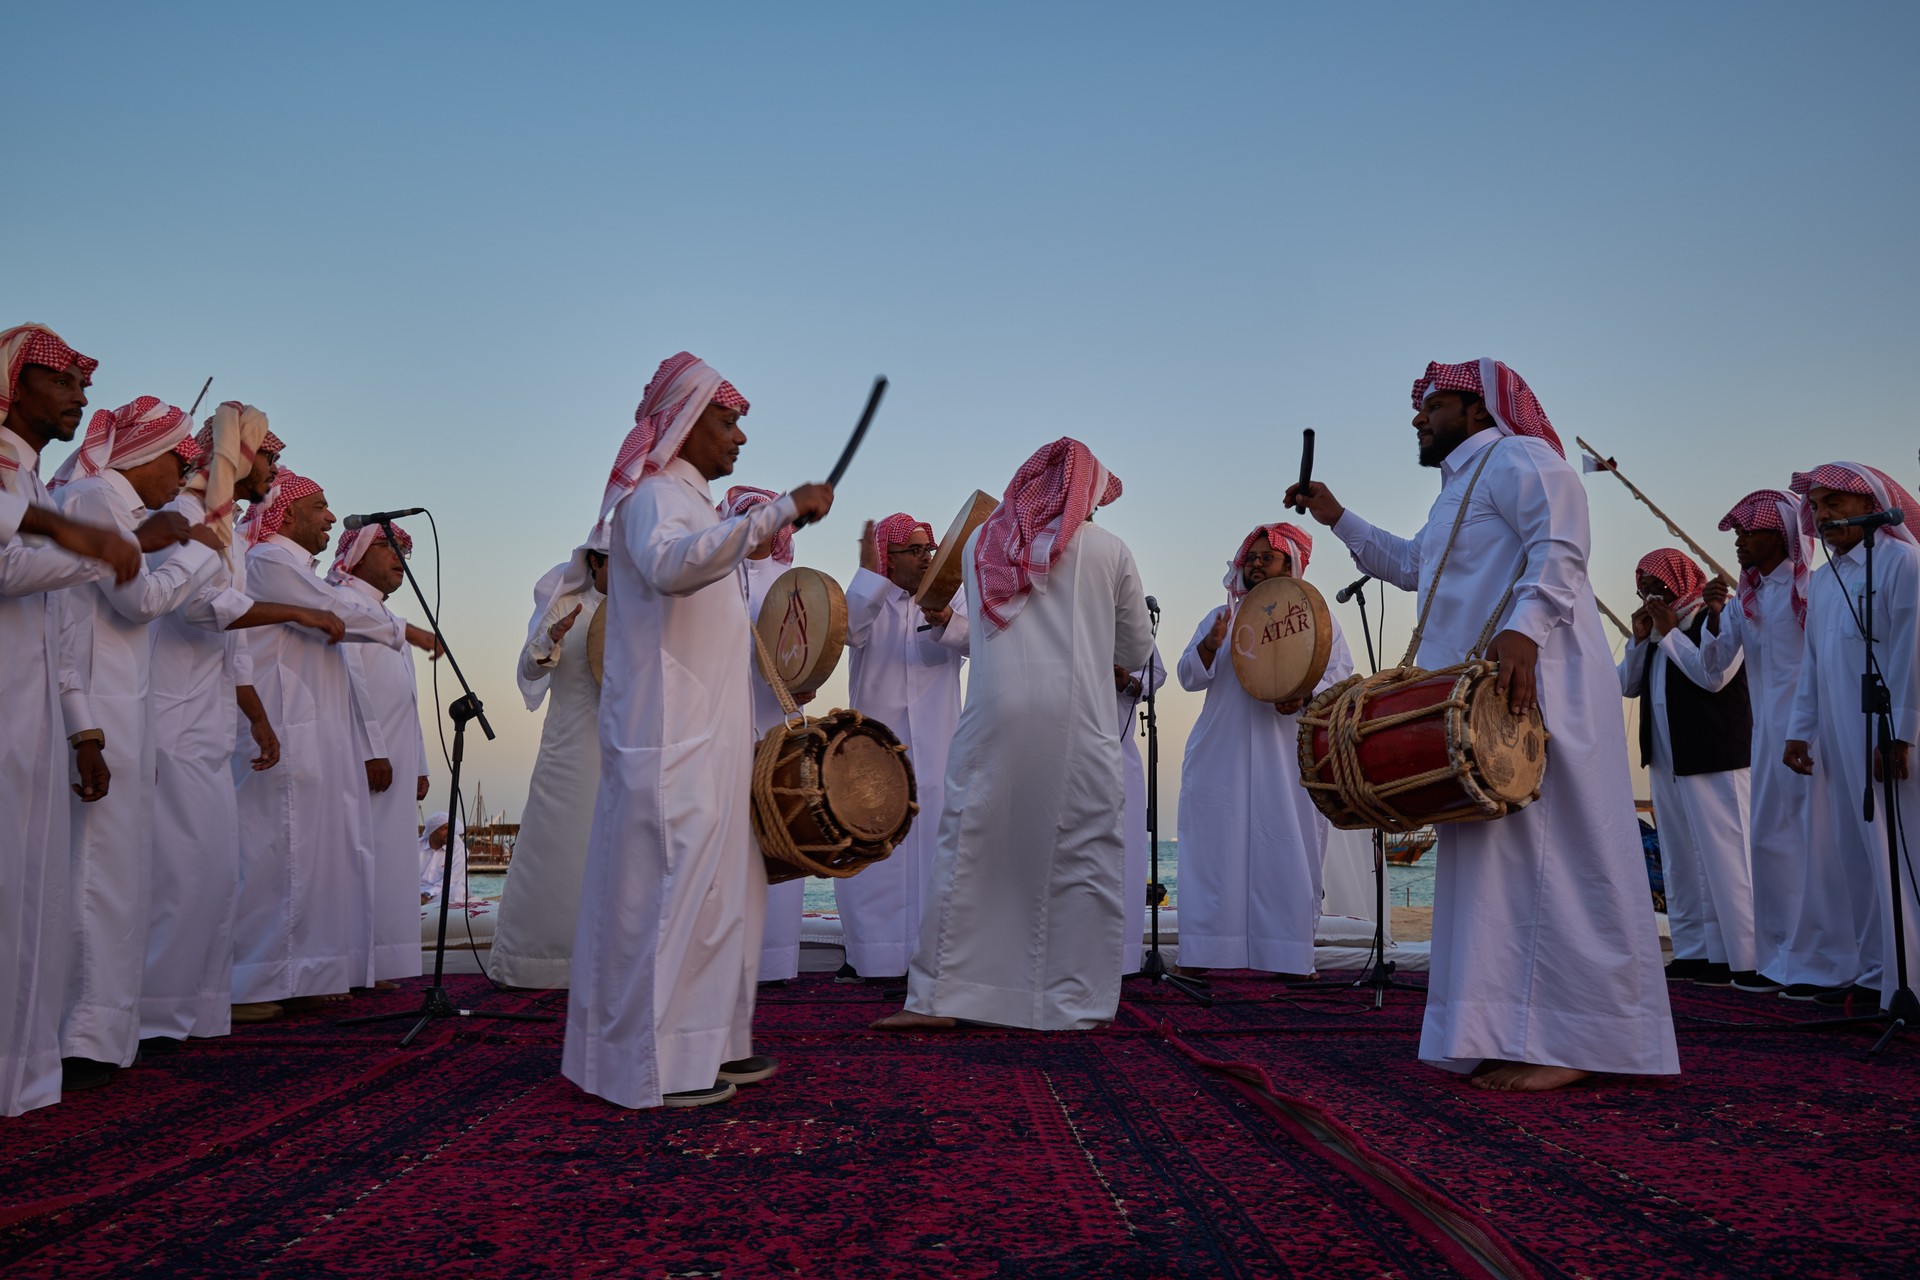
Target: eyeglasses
x,y
1265,557
924,552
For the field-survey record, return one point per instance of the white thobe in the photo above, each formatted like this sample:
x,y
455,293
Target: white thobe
x,y
386,705
1802,918
1701,818
112,839
13,509
197,665
1544,945
433,865
1024,911
908,680
786,901
1133,893
42,700
1827,716
303,921
1251,839
540,905
674,899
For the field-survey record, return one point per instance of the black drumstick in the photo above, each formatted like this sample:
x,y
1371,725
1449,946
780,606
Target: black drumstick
x,y
853,441
202,396
1306,464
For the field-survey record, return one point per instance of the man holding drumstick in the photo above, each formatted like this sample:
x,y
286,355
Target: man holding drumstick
x,y
1546,963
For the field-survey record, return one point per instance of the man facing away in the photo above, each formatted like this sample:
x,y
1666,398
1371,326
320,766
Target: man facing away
x,y
1696,731
132,461
668,947
533,935
1827,733
1024,916
1803,932
1546,961
905,674
386,706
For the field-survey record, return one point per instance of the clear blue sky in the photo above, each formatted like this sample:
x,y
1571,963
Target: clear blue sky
x,y
444,247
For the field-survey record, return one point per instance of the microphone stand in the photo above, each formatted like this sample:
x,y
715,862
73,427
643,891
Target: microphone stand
x,y
437,1003
1876,703
1155,968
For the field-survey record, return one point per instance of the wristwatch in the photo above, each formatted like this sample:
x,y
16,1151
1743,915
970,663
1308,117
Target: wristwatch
x,y
82,738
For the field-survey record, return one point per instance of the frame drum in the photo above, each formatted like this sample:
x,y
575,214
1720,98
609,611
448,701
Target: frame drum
x,y
1280,638
941,582
803,622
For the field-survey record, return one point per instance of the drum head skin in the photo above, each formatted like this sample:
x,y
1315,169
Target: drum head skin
x,y
941,582
1280,639
866,787
597,644
1510,752
803,623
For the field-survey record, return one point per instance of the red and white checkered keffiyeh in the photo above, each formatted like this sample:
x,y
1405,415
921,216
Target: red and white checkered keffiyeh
x,y
896,531
742,498
1515,409
265,518
682,388
130,436
354,545
228,443
1051,496
1290,538
1678,572
1779,511
1853,477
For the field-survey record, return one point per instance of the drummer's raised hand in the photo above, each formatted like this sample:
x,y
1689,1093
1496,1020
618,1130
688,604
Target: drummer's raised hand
x,y
558,631
1216,636
938,617
1518,657
1715,598
869,554
813,500
1317,500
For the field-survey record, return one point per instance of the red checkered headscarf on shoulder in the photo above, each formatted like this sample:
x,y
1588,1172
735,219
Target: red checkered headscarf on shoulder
x,y
1050,497
1290,538
265,518
896,531
682,388
1677,571
130,436
1516,410
1852,477
742,498
228,444
1773,509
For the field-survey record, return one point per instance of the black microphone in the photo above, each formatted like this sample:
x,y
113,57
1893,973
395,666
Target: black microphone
x,y
1352,589
1871,520
1153,606
379,517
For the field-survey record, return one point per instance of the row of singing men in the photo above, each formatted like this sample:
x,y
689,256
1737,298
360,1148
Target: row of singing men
x,y
161,869
1759,753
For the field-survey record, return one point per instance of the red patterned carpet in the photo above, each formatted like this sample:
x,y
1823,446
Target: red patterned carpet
x,y
307,1149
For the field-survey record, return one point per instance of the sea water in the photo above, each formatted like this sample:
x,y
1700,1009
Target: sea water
x,y
1409,886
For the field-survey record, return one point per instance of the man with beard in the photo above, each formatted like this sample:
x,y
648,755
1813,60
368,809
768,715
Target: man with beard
x,y
1546,961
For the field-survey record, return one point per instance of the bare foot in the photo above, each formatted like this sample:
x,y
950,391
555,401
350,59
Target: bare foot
x,y
1489,1064
1526,1077
907,1020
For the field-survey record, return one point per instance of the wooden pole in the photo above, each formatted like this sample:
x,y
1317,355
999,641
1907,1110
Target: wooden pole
x,y
1614,618
202,396
1606,464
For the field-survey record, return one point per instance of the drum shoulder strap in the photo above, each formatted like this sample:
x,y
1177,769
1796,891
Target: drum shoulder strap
x,y
771,674
1433,587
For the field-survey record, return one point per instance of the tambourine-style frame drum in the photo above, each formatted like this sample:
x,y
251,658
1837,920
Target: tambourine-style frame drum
x,y
1280,639
1408,748
831,796
803,623
941,582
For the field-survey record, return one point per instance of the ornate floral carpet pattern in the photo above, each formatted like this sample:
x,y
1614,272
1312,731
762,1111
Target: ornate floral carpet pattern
x,y
308,1149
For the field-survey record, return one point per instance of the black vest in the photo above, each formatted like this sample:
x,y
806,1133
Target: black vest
x,y
1712,732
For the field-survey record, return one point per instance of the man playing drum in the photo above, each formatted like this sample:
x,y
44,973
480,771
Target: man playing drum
x,y
907,678
668,946
1251,840
1024,916
1546,963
